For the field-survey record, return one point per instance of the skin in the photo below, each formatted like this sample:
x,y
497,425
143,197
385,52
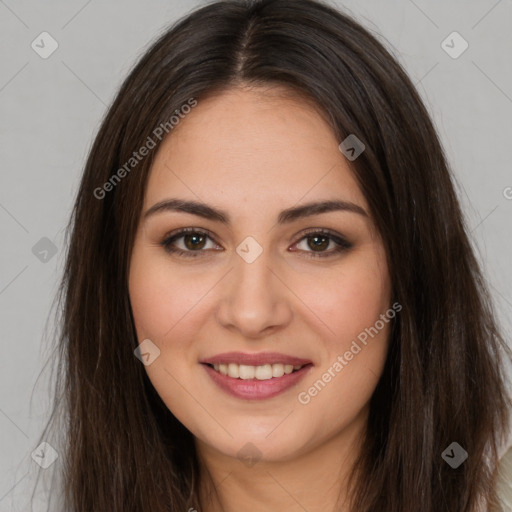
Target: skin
x,y
252,153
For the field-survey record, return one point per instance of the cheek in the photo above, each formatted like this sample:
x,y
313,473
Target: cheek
x,y
348,300
160,299
149,303
350,305
162,309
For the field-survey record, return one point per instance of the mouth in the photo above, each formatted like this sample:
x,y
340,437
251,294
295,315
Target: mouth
x,y
255,376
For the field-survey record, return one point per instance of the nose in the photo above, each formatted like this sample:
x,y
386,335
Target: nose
x,y
255,300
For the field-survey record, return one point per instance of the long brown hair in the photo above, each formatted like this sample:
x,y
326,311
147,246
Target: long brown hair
x,y
444,379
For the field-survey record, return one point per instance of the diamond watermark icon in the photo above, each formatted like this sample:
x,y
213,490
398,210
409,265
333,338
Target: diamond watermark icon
x,y
249,454
44,455
147,352
249,249
44,250
352,147
454,455
44,45
454,45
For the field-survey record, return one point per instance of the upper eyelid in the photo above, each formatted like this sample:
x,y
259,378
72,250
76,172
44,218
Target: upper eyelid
x,y
185,231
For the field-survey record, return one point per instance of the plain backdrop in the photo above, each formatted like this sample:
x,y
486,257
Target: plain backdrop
x,y
50,110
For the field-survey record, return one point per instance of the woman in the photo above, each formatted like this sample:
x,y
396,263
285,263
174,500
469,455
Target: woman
x,y
270,300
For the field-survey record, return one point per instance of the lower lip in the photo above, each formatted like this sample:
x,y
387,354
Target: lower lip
x,y
254,389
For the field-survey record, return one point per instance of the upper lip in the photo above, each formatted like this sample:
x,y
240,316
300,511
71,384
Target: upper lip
x,y
258,359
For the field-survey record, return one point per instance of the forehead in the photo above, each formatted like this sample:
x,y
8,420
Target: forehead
x,y
254,146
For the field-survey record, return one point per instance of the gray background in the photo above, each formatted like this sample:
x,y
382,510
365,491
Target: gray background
x,y
51,108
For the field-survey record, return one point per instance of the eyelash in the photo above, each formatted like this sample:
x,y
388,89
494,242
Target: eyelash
x,y
342,244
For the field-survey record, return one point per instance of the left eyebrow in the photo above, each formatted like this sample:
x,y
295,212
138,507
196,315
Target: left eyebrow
x,y
298,212
285,216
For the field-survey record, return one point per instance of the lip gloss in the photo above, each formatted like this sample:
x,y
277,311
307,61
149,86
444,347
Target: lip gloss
x,y
254,389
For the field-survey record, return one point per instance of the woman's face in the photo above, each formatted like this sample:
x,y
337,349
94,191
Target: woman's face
x,y
258,280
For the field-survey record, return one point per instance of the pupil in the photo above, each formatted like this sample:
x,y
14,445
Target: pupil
x,y
194,244
317,244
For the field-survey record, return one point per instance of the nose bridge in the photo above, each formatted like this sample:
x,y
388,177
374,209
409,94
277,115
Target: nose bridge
x,y
252,266
254,298
252,274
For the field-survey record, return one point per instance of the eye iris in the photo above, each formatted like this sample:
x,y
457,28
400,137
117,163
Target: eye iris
x,y
195,237
318,245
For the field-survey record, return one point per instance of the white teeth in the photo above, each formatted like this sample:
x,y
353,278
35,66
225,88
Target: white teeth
x,y
233,370
288,368
262,372
246,372
277,370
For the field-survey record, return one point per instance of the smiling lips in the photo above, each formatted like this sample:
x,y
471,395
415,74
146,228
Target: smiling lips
x,y
255,376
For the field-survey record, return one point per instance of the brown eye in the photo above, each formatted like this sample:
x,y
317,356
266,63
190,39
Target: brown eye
x,y
316,242
190,242
194,241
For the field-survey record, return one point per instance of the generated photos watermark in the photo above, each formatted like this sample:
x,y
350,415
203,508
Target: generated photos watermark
x,y
158,133
304,397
